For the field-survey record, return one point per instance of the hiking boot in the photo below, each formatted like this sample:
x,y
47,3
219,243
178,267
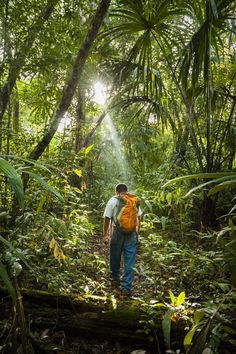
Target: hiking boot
x,y
124,293
115,283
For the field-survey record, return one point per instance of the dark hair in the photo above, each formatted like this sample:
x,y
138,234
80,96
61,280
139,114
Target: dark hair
x,y
121,187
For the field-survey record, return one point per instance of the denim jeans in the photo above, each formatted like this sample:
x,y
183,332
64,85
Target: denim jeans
x,y
126,245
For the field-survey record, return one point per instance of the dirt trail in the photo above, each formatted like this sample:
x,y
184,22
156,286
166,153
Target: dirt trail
x,y
141,285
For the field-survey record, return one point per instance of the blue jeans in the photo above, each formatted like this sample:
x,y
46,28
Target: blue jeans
x,y
126,245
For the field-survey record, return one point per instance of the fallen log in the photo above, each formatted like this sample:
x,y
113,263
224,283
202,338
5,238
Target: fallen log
x,y
108,318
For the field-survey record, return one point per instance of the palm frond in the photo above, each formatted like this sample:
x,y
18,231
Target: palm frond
x,y
216,176
45,185
146,21
14,179
195,53
8,283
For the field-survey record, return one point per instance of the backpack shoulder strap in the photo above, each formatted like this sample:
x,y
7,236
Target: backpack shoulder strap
x,y
117,197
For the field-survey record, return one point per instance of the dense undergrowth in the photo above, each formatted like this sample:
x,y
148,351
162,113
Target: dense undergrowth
x,y
160,77
65,255
57,247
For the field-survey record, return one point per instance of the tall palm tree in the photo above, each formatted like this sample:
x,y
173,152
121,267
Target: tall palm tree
x,y
174,46
175,53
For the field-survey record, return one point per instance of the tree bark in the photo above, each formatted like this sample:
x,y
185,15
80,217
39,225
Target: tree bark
x,y
72,83
21,57
80,120
92,131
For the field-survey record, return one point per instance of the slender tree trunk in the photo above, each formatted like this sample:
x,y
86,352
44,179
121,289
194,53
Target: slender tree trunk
x,y
6,54
92,131
21,318
230,123
8,127
193,137
16,112
4,38
74,78
208,94
80,120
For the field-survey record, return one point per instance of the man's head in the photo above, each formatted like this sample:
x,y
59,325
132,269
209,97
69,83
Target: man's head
x,y
121,188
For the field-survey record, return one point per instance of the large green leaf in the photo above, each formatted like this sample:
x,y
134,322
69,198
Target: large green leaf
x,y
30,163
198,315
180,299
14,179
221,186
213,175
7,281
223,183
214,8
45,185
200,339
222,179
188,338
172,298
166,326
151,25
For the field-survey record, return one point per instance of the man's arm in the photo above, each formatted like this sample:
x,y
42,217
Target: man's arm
x,y
139,219
139,222
106,225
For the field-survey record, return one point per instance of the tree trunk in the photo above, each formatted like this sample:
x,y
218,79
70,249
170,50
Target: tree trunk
x,y
111,319
16,112
92,131
74,78
20,59
208,211
80,120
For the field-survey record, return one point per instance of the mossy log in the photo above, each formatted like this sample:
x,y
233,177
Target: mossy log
x,y
107,318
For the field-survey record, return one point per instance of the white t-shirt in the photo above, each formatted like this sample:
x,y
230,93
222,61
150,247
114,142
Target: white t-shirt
x,y
112,207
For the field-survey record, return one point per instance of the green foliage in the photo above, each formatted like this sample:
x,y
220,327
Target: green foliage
x,y
184,265
7,281
212,326
227,239
175,311
189,336
13,260
14,179
200,340
224,180
45,185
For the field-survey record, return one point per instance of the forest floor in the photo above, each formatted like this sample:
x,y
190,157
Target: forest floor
x,y
166,265
141,288
57,341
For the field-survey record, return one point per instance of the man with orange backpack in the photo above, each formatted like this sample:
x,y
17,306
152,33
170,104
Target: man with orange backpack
x,y
122,220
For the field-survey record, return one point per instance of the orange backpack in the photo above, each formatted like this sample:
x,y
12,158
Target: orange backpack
x,y
126,218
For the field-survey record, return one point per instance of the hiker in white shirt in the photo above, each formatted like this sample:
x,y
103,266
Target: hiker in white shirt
x,y
123,230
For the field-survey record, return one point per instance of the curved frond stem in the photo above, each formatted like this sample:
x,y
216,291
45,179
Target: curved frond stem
x,y
170,66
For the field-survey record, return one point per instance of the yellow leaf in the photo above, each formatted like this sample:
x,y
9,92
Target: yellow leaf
x,y
86,151
180,298
61,255
78,172
52,244
56,250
